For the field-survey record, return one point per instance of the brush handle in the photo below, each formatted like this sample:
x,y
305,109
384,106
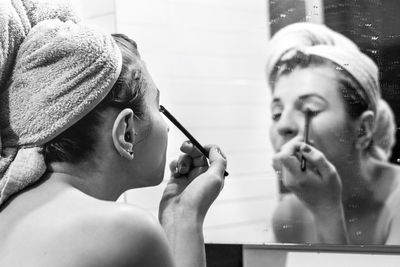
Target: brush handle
x,y
308,115
164,111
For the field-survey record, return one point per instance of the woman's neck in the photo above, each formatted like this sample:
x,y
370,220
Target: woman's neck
x,y
85,177
365,184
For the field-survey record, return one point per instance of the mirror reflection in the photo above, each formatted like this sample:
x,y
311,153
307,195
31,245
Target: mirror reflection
x,y
313,68
347,191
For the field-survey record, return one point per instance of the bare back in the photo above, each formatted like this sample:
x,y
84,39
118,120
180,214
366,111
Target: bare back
x,y
57,225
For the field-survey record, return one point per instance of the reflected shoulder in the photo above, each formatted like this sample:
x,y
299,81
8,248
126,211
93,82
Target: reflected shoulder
x,y
292,222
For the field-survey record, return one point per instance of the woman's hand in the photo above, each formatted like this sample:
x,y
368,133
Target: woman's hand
x,y
319,186
193,187
194,184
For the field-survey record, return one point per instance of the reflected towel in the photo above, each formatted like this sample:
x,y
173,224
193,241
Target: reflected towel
x,y
62,71
319,40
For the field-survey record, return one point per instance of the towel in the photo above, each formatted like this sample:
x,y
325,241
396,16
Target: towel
x,y
62,71
17,17
319,40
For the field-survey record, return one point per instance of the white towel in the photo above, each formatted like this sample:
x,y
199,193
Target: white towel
x,y
61,72
319,40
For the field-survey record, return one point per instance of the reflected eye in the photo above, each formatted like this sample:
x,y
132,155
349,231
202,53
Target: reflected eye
x,y
313,106
312,109
312,112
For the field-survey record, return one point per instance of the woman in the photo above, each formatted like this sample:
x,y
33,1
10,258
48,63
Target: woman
x,y
80,125
344,195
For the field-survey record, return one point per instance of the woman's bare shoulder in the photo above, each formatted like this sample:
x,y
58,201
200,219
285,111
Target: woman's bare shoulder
x,y
292,222
121,235
87,232
290,207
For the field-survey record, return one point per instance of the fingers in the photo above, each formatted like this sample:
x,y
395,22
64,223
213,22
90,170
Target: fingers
x,y
317,160
184,164
188,148
173,167
218,161
200,161
291,148
288,154
194,162
196,172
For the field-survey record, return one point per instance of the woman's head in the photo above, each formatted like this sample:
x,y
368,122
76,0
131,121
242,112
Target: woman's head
x,y
60,72
337,83
138,133
351,91
333,126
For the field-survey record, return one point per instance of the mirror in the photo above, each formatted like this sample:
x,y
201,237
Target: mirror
x,y
208,59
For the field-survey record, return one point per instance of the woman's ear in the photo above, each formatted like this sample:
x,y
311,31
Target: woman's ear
x,y
123,133
365,129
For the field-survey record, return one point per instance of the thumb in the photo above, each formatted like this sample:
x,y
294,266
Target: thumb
x,y
218,161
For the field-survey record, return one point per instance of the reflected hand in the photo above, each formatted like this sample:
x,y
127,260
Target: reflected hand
x,y
319,186
194,184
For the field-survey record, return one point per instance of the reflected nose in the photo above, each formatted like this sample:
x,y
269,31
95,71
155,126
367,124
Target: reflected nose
x,y
288,125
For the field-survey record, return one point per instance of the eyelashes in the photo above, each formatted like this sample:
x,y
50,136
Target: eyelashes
x,y
277,115
314,112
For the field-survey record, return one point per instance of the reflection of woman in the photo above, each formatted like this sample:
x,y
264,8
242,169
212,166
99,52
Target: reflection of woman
x,y
344,196
80,125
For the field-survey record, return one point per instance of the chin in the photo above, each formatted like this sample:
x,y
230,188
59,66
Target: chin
x,y
156,177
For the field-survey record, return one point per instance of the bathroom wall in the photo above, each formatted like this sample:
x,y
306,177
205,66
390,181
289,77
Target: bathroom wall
x,y
207,59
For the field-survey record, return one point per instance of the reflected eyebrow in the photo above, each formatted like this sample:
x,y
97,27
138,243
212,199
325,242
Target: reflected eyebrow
x,y
308,96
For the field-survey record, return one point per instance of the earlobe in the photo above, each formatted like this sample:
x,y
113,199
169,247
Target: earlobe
x,y
123,133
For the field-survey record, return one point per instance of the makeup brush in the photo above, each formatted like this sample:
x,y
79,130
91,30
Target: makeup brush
x,y
164,111
308,116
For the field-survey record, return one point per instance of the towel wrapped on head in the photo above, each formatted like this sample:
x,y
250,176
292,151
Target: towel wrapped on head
x,y
17,17
319,40
62,71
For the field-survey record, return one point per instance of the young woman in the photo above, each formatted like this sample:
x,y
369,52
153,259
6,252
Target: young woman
x,y
344,195
96,136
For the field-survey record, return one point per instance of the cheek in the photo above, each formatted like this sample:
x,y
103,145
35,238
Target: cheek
x,y
153,150
158,139
333,137
274,137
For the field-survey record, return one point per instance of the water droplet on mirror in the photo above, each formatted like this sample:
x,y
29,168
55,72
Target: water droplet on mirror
x,y
286,226
351,220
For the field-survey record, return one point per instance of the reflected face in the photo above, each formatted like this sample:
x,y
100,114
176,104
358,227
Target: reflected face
x,y
150,149
331,128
